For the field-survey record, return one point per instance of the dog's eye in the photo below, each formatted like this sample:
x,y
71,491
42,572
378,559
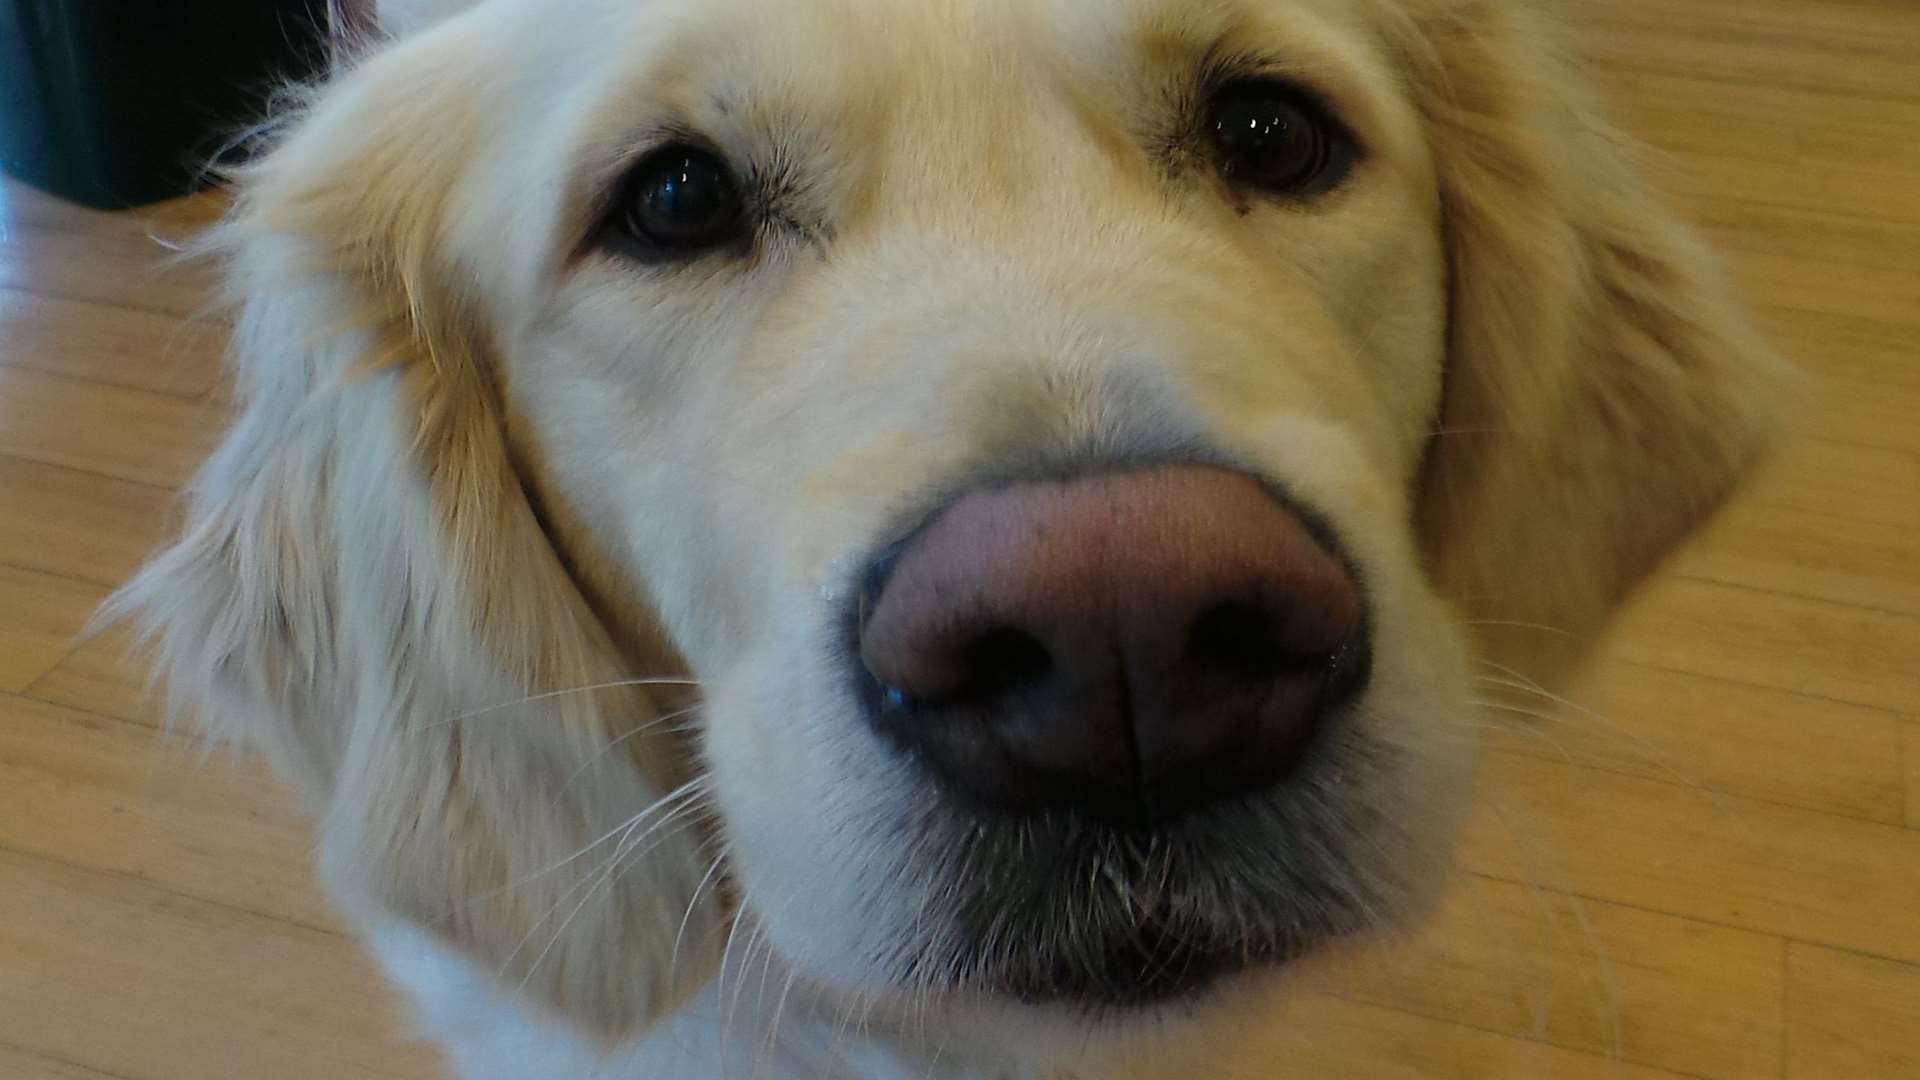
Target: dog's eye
x,y
1277,138
681,200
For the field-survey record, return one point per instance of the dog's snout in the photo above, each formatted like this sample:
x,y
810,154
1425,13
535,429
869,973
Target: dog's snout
x,y
1134,644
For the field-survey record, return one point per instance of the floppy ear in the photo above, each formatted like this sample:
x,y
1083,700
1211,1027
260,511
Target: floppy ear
x,y
1604,389
365,591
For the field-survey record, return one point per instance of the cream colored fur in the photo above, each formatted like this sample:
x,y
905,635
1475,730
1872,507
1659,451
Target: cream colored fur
x,y
495,501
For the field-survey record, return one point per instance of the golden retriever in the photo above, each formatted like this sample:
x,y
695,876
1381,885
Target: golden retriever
x,y
901,538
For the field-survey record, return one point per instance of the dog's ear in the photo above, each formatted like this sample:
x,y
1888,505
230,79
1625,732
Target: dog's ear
x,y
366,591
1604,389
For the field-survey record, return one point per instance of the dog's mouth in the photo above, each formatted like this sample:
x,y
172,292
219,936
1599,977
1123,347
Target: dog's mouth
x,y
1061,909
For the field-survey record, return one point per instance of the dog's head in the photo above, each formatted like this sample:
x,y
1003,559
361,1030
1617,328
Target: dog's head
x,y
1075,454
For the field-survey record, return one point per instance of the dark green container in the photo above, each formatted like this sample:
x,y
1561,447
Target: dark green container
x,y
116,103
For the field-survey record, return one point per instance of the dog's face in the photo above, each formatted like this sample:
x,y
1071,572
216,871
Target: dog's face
x,y
1101,243
1070,445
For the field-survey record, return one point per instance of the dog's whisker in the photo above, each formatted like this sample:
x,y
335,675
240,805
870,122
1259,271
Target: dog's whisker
x,y
1607,979
592,882
753,938
764,943
550,695
1538,894
726,956
1534,988
702,781
692,789
1533,878
665,720
693,903
527,879
849,1019
766,971
771,1043
602,878
1450,432
1642,747
924,1003
585,882
1530,730
1518,624
771,1021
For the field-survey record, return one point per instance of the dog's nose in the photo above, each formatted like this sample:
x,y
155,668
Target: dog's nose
x,y
1135,644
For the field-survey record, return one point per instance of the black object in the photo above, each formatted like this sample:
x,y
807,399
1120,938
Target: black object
x,y
116,103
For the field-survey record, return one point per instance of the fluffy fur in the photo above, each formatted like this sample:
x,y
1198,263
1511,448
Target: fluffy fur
x,y
522,560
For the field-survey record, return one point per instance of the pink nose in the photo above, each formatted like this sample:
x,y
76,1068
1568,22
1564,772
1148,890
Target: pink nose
x,y
1134,644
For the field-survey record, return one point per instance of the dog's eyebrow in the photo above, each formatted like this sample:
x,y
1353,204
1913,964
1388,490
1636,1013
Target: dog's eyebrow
x,y
774,146
1194,52
1173,52
773,180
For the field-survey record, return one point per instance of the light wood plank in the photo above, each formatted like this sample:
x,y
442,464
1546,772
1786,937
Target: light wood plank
x,y
120,267
1895,152
107,675
1733,862
1858,484
1852,1016
1784,25
1865,385
42,615
1813,237
99,795
129,979
1825,127
1745,635
139,350
21,205
1831,521
1829,288
1669,127
134,435
1314,1037
1613,981
1812,556
1841,58
1721,738
77,524
18,1064
1910,756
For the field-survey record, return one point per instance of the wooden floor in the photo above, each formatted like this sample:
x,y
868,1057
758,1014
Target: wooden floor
x,y
1710,870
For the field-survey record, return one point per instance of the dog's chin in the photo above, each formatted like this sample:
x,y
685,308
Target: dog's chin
x,y
1062,912
1150,967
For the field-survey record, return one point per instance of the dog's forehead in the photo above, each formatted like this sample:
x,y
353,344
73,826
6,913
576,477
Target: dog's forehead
x,y
800,55
935,89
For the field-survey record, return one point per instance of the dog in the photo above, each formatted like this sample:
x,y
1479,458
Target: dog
x,y
903,538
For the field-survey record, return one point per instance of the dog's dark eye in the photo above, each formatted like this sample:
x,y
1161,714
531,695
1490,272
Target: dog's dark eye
x,y
681,200
1277,138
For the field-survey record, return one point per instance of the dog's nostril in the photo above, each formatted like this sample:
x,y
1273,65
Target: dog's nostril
x,y
1002,660
1239,637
